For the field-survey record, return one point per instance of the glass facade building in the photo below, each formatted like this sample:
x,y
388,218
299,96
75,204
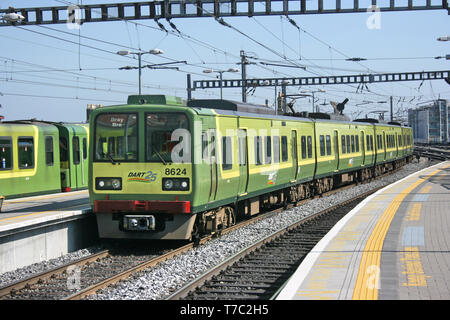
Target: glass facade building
x,y
431,123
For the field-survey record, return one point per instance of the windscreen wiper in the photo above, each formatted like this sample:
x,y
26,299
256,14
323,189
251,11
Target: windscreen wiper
x,y
111,158
159,156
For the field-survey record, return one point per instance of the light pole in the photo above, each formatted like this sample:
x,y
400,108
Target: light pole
x,y
139,54
220,72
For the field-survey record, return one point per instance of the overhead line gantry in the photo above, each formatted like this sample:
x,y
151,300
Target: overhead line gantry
x,y
170,9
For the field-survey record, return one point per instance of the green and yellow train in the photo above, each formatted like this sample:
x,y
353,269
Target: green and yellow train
x,y
161,169
38,157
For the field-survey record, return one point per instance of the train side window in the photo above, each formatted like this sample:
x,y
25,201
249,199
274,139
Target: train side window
x,y
227,158
322,145
5,153
85,151
328,144
49,151
343,144
357,143
276,149
268,143
367,143
348,144
353,142
26,153
309,147
258,150
204,146
371,143
284,148
76,150
303,147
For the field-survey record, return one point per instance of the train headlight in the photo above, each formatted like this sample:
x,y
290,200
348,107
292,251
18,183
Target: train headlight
x,y
108,183
175,184
168,184
116,184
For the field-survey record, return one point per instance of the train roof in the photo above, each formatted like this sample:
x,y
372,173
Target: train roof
x,y
28,122
230,105
155,99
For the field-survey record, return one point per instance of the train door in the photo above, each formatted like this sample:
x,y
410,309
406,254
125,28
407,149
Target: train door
x,y
384,145
76,170
363,149
64,156
336,149
396,144
294,155
84,162
243,161
211,138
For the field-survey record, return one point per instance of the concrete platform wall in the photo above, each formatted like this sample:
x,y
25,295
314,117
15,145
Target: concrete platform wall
x,y
35,243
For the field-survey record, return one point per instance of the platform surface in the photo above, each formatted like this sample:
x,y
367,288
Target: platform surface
x,y
22,212
394,245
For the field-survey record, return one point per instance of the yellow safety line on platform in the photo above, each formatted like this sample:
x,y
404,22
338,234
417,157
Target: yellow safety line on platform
x,y
367,282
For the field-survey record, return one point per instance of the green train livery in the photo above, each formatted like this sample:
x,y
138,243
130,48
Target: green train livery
x,y
38,157
163,169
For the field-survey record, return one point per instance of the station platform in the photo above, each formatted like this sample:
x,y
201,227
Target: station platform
x,y
394,245
39,228
22,212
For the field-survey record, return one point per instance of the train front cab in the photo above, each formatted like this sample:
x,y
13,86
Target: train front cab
x,y
140,179
73,142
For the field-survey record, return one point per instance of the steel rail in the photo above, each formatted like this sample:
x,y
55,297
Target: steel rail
x,y
43,276
184,291
154,261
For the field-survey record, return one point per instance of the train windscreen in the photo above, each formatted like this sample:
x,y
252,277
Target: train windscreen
x,y
116,136
167,137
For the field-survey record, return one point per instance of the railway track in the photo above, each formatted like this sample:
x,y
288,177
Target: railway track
x,y
106,268
85,276
260,270
432,152
69,279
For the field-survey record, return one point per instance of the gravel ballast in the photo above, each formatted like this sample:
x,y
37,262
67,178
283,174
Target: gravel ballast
x,y
160,281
